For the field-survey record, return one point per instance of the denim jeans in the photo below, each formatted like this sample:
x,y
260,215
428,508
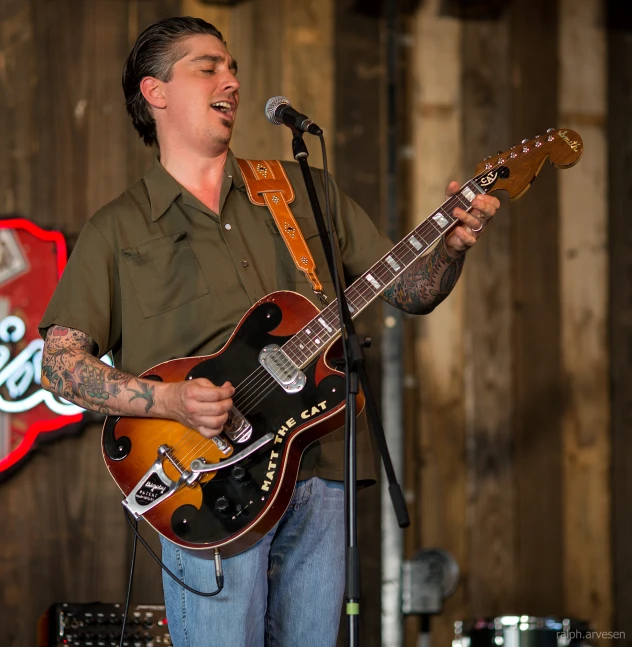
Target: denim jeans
x,y
285,591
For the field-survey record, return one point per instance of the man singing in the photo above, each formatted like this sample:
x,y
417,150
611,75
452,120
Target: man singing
x,y
167,270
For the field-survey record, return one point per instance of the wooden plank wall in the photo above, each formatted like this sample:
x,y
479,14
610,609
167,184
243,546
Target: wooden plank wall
x,y
513,426
583,255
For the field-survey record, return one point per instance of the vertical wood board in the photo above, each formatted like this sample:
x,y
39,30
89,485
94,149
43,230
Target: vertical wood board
x,y
487,335
583,265
536,319
436,135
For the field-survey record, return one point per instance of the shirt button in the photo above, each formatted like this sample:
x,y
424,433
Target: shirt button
x,y
245,263
227,226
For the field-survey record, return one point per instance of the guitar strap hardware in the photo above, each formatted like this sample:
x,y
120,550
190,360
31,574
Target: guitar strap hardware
x,y
268,186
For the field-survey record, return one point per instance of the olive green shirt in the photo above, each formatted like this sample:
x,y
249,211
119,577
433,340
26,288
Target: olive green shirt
x,y
157,275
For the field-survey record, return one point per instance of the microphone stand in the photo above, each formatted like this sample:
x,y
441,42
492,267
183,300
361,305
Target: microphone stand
x,y
356,375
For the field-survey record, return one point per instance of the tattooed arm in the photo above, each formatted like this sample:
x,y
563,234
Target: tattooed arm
x,y
71,370
426,283
430,279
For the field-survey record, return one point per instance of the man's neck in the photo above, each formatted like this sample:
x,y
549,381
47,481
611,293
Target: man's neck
x,y
200,174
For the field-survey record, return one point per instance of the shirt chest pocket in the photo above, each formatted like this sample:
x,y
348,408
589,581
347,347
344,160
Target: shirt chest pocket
x,y
165,274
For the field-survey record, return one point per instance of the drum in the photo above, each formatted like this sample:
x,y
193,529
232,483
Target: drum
x,y
521,631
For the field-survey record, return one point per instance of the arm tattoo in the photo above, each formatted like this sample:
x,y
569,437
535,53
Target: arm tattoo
x,y
70,370
146,393
426,283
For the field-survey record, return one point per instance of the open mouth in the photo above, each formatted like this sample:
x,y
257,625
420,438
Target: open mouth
x,y
222,106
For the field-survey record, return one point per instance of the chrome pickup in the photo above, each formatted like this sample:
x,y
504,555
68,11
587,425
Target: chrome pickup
x,y
282,369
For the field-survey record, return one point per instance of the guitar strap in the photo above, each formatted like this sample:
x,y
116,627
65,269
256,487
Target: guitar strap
x,y
268,186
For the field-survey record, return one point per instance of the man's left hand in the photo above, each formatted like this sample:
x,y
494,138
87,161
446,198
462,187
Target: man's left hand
x,y
473,222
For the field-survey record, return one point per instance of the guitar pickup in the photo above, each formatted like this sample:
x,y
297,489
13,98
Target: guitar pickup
x,y
282,368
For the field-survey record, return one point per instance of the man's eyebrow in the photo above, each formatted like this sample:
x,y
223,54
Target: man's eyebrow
x,y
215,58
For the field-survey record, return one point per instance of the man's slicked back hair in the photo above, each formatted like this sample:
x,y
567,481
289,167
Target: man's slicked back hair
x,y
155,52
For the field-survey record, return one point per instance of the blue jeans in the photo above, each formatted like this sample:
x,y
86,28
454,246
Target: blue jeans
x,y
285,591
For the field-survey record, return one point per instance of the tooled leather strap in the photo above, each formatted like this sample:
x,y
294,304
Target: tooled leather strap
x,y
268,186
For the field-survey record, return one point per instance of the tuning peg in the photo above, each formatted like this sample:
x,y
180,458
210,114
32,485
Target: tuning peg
x,y
525,141
550,130
487,158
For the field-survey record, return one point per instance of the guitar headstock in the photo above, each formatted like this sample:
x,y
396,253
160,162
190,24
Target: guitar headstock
x,y
514,170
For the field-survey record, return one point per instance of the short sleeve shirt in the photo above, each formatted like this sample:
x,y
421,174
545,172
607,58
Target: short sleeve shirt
x,y
156,275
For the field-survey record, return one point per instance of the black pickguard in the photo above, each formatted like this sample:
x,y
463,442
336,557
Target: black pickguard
x,y
236,495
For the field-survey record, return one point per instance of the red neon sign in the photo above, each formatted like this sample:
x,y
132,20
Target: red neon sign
x,y
31,263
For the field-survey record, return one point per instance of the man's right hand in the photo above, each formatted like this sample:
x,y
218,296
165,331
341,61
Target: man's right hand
x,y
200,405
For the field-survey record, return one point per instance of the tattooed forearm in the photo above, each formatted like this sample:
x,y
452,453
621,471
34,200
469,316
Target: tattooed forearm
x,y
70,369
426,283
146,393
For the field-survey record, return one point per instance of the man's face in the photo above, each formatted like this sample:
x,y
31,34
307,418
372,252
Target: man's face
x,y
202,95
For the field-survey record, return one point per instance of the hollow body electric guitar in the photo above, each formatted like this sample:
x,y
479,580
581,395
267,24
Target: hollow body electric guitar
x,y
229,491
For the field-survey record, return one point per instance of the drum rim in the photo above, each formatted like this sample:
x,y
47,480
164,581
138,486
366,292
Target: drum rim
x,y
550,623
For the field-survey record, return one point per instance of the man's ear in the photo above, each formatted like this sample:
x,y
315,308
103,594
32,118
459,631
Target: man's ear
x,y
152,91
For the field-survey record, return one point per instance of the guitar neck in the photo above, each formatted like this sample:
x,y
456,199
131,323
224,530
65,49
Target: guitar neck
x,y
310,341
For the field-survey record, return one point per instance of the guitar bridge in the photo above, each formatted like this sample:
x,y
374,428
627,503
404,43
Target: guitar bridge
x,y
237,428
155,486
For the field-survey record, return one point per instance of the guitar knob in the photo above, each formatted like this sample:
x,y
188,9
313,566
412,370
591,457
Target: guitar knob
x,y
238,473
221,504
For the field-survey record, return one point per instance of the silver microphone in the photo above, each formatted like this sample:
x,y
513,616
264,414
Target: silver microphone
x,y
279,111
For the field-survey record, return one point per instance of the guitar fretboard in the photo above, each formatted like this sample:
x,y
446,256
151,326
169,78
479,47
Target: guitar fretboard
x,y
310,341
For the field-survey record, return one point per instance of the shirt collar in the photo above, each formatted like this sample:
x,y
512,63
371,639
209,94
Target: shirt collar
x,y
163,189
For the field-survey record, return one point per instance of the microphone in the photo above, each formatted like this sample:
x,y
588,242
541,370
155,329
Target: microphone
x,y
279,111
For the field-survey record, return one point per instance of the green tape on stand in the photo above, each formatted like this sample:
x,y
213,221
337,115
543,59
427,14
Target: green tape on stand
x,y
353,608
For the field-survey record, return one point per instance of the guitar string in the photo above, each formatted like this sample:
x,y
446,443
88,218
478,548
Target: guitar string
x,y
426,226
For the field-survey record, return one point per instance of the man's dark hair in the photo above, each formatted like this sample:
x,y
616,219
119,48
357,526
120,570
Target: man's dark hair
x,y
155,52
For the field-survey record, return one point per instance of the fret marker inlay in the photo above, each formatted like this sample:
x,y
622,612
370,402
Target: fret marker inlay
x,y
373,282
415,243
324,324
468,194
440,219
393,263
